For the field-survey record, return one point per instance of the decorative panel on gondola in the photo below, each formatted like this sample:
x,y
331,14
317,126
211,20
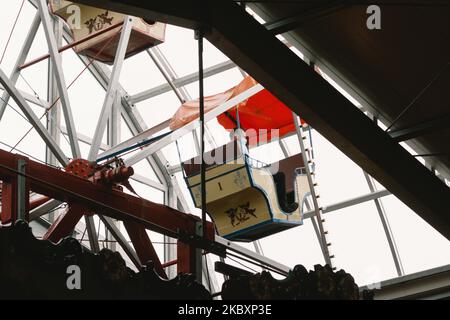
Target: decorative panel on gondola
x,y
86,21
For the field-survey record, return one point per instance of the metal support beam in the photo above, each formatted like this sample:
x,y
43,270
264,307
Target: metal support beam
x,y
180,82
84,138
136,177
316,227
137,125
113,131
106,111
387,228
189,258
384,219
144,247
420,129
115,232
170,244
192,126
114,122
66,222
54,115
129,114
43,209
63,186
59,76
186,258
30,98
20,60
348,203
15,196
317,209
253,255
433,284
112,88
32,118
102,75
135,139
23,193
92,233
292,22
167,72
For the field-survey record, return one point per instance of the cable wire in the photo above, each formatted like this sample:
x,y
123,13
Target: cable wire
x,y
419,95
29,85
12,31
30,156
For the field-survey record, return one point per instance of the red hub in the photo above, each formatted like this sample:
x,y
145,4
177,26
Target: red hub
x,y
81,168
103,174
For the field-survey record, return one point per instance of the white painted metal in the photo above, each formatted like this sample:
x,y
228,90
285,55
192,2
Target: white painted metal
x,y
32,118
191,78
55,57
21,60
192,125
253,255
311,183
387,228
112,88
348,203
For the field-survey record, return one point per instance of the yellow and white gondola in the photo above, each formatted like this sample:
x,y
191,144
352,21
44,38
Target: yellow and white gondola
x,y
247,201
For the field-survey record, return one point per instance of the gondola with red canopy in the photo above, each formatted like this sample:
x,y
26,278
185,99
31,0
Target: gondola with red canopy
x,y
246,199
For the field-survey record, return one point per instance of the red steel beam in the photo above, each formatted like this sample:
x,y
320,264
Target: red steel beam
x,y
37,202
65,223
174,262
186,258
68,46
9,201
144,247
65,187
10,194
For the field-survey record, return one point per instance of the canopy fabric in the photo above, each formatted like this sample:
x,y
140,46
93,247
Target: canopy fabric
x,y
261,112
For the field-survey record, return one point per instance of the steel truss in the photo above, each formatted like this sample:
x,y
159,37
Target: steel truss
x,y
118,106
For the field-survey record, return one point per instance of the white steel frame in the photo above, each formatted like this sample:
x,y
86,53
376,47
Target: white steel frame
x,y
120,106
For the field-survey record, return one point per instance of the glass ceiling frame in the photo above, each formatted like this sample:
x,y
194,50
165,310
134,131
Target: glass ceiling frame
x,y
123,109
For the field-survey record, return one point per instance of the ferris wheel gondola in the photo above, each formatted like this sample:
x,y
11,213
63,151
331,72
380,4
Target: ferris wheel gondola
x,y
247,199
96,31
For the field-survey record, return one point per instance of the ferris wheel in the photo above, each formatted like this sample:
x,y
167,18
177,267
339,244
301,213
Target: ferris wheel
x,y
86,182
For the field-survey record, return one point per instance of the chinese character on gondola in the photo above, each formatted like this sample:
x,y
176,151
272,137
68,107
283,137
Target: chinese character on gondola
x,y
99,22
241,213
